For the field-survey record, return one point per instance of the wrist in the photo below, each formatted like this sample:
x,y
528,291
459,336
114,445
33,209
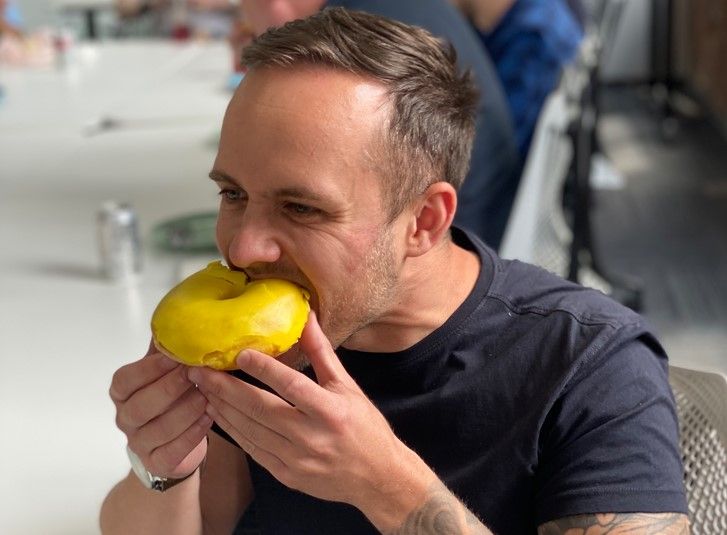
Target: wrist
x,y
405,488
156,482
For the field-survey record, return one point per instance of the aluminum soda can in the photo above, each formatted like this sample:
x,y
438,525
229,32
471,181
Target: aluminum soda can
x,y
118,240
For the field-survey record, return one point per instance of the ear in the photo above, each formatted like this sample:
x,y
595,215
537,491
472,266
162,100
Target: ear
x,y
432,217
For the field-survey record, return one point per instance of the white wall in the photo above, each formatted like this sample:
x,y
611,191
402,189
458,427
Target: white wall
x,y
37,12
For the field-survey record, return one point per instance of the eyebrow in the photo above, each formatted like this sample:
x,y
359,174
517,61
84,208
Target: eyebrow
x,y
287,192
219,176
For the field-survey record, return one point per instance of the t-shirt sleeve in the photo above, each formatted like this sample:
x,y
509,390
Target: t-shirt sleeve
x,y
610,442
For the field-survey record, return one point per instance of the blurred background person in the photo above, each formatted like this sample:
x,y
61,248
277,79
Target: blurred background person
x,y
180,19
488,192
580,11
529,41
10,20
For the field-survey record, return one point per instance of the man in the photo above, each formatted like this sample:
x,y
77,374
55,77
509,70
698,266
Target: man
x,y
487,195
465,393
10,20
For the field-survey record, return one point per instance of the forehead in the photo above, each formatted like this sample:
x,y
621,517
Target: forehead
x,y
302,121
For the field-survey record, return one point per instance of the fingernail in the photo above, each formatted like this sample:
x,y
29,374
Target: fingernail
x,y
205,420
243,358
194,375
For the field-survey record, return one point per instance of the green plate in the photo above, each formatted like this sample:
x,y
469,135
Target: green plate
x,y
190,233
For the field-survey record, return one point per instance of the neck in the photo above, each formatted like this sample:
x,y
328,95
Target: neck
x,y
486,15
432,287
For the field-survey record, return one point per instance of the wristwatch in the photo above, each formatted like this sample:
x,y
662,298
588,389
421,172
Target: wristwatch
x,y
151,481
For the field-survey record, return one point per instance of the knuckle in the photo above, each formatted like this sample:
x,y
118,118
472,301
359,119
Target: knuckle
x,y
320,449
174,384
162,430
338,418
117,391
163,460
134,415
120,423
136,444
260,366
197,402
292,388
215,388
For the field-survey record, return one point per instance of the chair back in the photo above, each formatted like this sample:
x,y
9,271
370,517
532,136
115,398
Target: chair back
x,y
701,400
534,228
537,231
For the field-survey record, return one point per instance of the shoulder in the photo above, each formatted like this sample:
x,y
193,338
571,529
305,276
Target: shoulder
x,y
569,333
602,523
525,288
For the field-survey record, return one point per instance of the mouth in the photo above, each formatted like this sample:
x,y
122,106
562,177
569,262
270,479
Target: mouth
x,y
296,278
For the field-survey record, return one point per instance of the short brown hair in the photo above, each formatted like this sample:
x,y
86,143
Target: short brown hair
x,y
431,128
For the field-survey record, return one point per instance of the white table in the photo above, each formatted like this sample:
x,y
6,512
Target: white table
x,y
63,328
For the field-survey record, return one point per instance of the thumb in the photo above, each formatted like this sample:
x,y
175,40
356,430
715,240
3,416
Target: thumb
x,y
319,352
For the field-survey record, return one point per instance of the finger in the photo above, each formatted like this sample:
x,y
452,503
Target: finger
x,y
171,424
130,378
252,434
258,404
154,399
264,458
291,385
317,348
165,459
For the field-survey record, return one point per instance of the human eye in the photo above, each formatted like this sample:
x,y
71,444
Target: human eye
x,y
231,195
301,210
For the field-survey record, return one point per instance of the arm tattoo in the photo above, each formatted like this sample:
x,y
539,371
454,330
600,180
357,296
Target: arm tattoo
x,y
441,514
612,523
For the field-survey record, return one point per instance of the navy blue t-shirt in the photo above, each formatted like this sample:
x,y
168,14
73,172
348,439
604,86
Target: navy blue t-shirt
x,y
537,399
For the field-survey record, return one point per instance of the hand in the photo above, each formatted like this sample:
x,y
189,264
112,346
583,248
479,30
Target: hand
x,y
325,439
162,414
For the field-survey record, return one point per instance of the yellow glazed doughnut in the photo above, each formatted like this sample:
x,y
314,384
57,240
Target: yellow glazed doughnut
x,y
209,317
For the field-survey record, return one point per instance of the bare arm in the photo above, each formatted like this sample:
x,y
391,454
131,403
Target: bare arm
x,y
441,514
632,523
209,503
131,508
163,417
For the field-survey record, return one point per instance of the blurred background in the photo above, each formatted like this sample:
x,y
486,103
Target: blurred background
x,y
109,120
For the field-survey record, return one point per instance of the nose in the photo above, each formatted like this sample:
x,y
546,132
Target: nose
x,y
253,242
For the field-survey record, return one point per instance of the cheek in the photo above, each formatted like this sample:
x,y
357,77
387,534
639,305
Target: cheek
x,y
332,263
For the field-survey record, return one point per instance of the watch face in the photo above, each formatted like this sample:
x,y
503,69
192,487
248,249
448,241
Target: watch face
x,y
138,467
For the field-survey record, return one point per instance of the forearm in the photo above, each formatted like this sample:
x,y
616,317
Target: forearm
x,y
131,508
420,504
442,513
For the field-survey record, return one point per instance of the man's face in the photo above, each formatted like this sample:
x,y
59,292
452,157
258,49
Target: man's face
x,y
300,198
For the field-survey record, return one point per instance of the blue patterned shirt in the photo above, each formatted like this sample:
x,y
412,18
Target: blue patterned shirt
x,y
529,46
